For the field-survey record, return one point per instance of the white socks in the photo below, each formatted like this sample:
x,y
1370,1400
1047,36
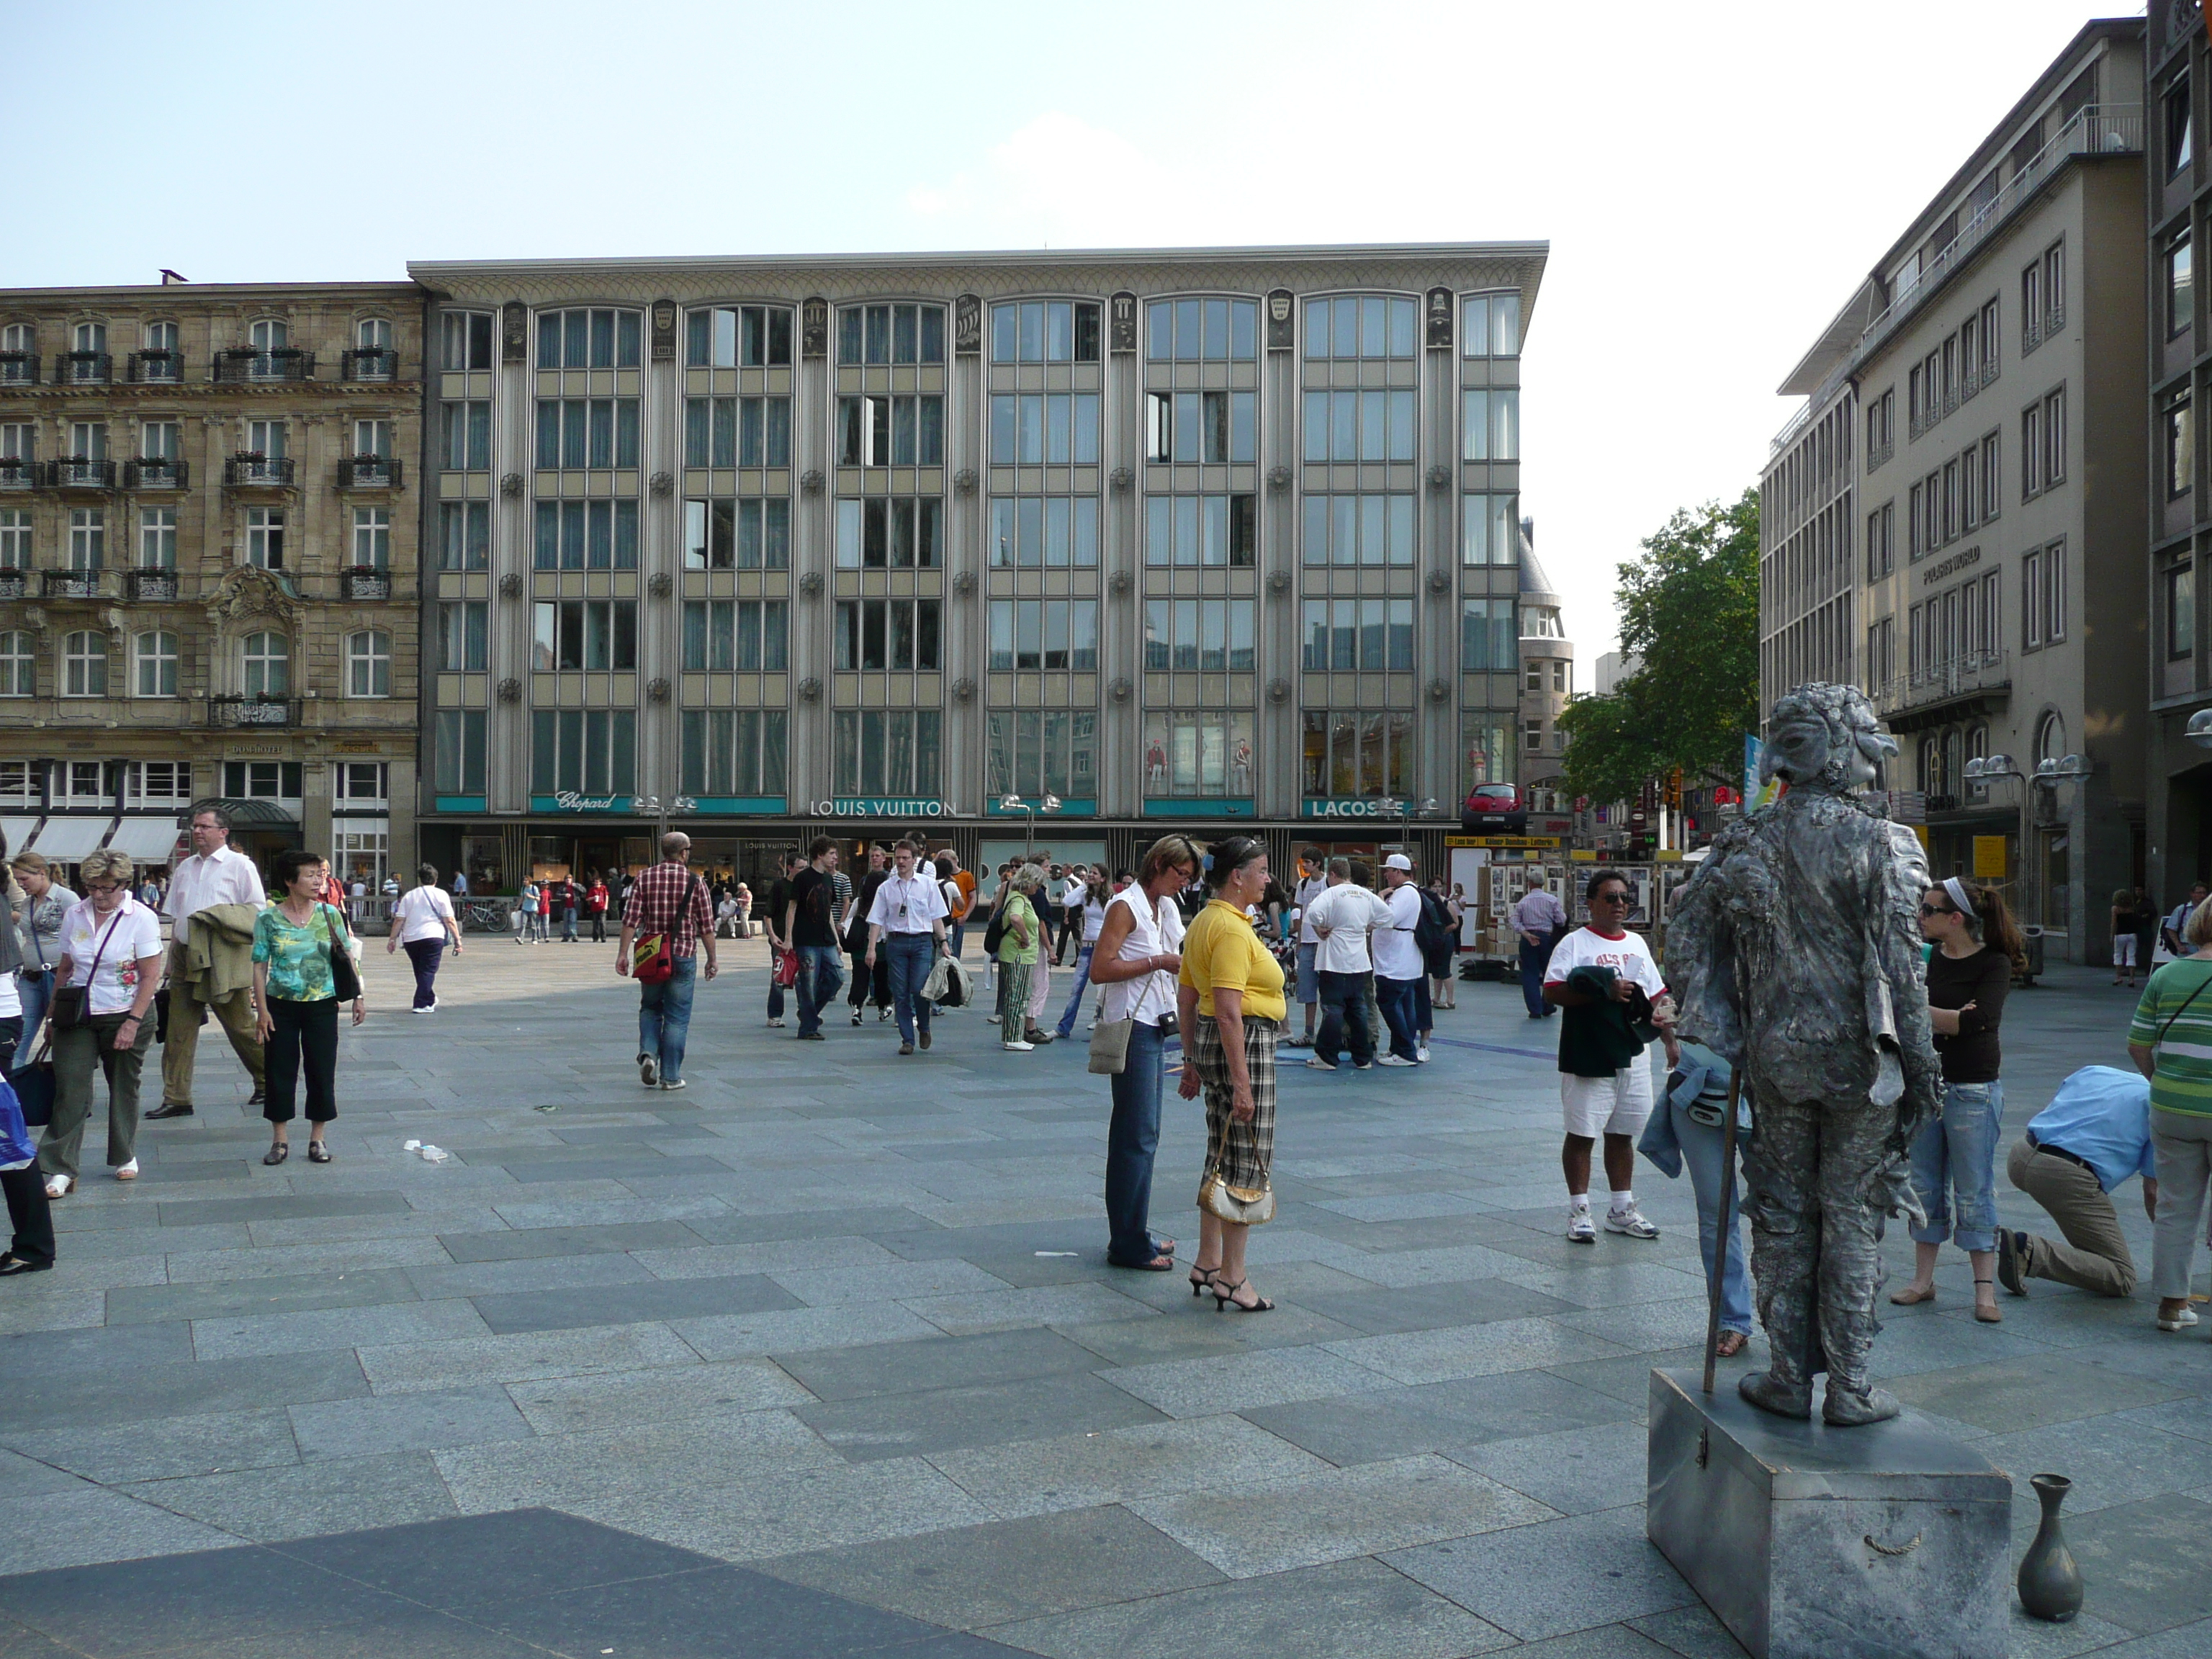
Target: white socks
x,y
1579,1203
1624,1200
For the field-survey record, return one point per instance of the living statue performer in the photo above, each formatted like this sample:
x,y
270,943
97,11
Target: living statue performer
x,y
1796,951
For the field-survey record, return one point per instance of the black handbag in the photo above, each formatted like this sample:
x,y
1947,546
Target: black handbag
x,y
72,1004
34,1086
344,979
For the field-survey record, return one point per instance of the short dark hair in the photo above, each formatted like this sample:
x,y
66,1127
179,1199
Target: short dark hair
x,y
285,867
1363,874
820,845
427,874
219,814
1598,880
1232,854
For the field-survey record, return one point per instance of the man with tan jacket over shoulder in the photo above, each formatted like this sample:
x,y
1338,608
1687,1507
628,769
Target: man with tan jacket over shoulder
x,y
214,875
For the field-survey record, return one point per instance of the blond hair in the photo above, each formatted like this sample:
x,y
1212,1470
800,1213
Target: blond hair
x,y
108,863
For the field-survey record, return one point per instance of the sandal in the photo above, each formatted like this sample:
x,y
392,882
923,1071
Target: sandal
x,y
1730,1343
1989,1313
1909,1297
1228,1299
278,1152
1159,1264
1201,1278
318,1153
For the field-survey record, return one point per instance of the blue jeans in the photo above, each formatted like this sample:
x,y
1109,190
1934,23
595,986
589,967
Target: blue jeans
x,y
1394,998
1075,997
1954,1164
1702,1149
821,976
664,1017
1534,958
1132,1135
1343,1013
36,989
425,954
958,932
568,923
1308,976
909,956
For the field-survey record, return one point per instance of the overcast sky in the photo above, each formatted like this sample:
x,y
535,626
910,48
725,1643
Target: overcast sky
x,y
1712,178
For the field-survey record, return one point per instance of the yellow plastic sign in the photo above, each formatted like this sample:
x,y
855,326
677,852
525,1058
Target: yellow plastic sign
x,y
1989,857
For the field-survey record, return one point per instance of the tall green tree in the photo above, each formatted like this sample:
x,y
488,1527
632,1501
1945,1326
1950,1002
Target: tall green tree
x,y
1689,613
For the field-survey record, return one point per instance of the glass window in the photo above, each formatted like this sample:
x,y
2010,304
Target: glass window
x,y
1198,330
734,751
18,663
1490,530
593,634
371,537
591,751
157,538
1490,426
890,334
1361,326
1032,752
461,636
586,432
154,659
1032,533
14,539
88,537
1045,331
464,340
739,337
464,535
1359,426
1208,427
589,339
1198,754
1201,530
1489,636
1043,429
884,431
900,533
1210,634
888,752
1489,325
465,436
2180,436
368,664
737,432
1345,753
2181,611
264,536
1357,530
2180,283
268,661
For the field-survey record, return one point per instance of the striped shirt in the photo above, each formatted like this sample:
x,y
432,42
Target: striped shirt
x,y
2182,1081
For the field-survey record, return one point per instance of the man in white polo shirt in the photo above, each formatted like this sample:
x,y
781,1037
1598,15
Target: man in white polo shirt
x,y
214,875
1343,915
906,923
1313,882
1397,967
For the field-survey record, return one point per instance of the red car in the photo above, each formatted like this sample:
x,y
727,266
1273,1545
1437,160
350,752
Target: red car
x,y
1496,809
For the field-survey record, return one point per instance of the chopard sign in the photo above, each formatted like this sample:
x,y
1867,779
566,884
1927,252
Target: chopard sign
x,y
1957,561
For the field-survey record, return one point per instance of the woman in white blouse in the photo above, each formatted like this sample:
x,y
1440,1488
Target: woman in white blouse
x,y
111,949
1136,958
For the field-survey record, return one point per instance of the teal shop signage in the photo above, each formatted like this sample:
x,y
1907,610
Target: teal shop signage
x,y
1075,807
1346,807
860,806
1198,808
570,801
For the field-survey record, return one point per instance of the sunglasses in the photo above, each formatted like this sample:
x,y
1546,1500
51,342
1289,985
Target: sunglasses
x,y
1938,910
1611,895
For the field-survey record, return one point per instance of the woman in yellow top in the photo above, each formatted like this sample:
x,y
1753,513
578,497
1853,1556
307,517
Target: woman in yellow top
x,y
1230,1008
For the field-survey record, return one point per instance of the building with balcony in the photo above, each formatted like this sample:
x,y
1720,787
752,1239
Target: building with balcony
x,y
1204,538
2179,190
1955,520
207,582
1547,685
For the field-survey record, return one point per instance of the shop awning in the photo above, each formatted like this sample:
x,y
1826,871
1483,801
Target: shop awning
x,y
18,832
64,841
149,840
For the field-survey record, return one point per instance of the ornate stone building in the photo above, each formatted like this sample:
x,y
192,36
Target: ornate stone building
x,y
208,585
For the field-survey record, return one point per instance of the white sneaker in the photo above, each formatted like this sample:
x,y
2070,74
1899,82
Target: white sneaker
x,y
1314,1062
990,1019
678,1083
1631,1222
128,1171
648,1069
57,1185
1020,1047
1580,1229
1394,1059
1421,1054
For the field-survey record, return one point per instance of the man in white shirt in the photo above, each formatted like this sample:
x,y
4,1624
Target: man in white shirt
x,y
1342,915
906,923
2170,929
1398,962
212,875
1539,919
1313,882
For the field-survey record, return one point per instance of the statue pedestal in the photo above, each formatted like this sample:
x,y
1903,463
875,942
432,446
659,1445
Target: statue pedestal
x,y
1810,1542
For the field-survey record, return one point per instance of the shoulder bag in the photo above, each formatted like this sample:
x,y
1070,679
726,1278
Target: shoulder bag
x,y
33,1083
994,934
345,979
652,961
72,1004
1246,1207
1109,1046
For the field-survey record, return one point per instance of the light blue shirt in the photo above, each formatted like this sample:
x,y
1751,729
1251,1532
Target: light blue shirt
x,y
2101,1114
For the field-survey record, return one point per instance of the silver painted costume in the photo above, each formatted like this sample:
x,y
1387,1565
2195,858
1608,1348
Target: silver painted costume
x,y
1796,951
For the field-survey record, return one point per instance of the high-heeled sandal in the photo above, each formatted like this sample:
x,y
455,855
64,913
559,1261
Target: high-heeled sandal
x,y
1201,1278
1991,1315
1228,1299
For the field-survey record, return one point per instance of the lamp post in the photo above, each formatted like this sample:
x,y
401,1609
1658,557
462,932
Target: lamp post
x,y
1404,811
2049,774
1987,770
1009,803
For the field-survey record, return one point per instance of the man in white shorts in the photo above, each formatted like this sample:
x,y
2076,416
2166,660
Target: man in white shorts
x,y
1596,975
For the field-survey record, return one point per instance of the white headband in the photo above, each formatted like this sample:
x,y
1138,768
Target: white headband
x,y
1957,889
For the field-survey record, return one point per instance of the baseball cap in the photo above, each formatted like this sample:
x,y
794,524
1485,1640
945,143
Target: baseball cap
x,y
1398,862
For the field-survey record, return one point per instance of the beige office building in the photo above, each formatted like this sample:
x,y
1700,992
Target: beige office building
x,y
1204,538
1955,519
207,566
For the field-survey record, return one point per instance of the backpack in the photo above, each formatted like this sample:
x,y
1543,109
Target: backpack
x,y
1434,930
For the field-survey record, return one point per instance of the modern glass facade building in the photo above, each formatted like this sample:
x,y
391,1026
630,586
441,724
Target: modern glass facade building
x,y
1210,537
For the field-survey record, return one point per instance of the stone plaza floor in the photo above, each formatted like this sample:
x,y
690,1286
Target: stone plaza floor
x,y
820,1356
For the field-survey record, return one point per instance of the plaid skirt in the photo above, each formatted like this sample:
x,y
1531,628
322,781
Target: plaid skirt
x,y
1241,1152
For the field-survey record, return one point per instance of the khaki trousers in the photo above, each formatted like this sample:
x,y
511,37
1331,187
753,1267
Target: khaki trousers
x,y
80,1053
235,1011
2095,1257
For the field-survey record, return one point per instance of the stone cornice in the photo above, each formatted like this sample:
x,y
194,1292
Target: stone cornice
x,y
170,391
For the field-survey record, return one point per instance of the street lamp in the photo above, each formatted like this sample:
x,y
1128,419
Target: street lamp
x,y
1404,811
1989,770
1012,802
2199,731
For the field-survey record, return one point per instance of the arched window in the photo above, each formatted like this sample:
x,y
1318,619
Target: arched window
x,y
155,655
2050,737
18,666
1931,767
268,665
372,334
89,336
1978,748
368,664
270,334
160,337
84,664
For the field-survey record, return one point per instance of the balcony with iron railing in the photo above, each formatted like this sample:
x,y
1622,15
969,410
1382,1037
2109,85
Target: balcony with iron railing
x,y
248,471
159,368
365,581
68,584
368,472
156,472
253,711
83,368
14,584
1969,673
247,365
150,584
18,472
80,473
19,369
368,363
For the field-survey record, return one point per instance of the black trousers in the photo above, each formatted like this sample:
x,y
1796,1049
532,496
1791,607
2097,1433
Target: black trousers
x,y
870,986
598,927
304,1034
30,1216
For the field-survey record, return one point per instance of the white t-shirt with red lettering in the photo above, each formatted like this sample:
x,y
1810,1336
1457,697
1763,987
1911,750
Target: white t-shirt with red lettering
x,y
1626,954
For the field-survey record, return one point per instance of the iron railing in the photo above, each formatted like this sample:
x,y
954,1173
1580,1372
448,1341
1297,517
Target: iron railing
x,y
156,472
19,369
18,472
69,584
289,363
259,472
365,581
253,711
77,473
368,472
160,368
83,368
154,582
14,584
1968,672
368,363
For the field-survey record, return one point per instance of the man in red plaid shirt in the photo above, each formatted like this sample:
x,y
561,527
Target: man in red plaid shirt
x,y
667,899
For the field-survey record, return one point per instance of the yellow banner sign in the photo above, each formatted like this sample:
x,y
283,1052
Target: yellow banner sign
x,y
1989,857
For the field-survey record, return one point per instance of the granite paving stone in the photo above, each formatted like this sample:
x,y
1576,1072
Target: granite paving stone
x,y
165,1446
1148,1460
560,1470
881,1425
1513,1578
408,1367
419,1422
306,1500
566,1405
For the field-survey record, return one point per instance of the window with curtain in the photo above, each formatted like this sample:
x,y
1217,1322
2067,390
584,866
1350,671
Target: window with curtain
x,y
888,752
1034,531
590,338
154,657
368,664
84,664
268,662
734,751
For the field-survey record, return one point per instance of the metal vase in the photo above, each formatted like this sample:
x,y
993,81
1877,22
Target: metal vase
x,y
2049,1579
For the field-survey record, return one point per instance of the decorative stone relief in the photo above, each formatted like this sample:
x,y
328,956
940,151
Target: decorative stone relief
x,y
510,689
1438,311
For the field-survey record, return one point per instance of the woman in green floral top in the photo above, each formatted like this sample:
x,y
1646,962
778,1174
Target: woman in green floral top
x,y
296,1001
